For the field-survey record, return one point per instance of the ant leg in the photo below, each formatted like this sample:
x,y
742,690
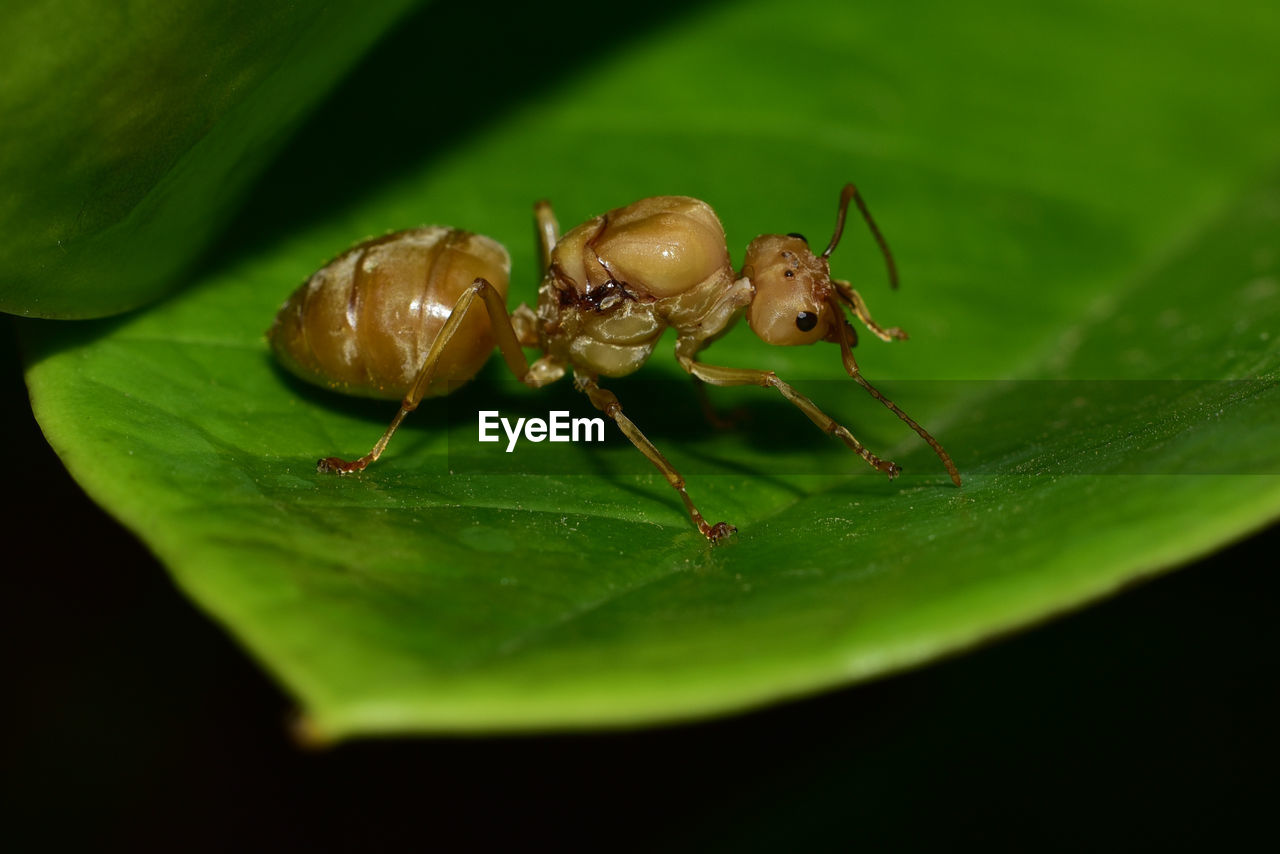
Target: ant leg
x,y
499,322
854,300
844,332
607,402
717,375
548,230
524,321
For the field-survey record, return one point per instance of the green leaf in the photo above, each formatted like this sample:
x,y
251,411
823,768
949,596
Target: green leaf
x,y
132,130
1084,209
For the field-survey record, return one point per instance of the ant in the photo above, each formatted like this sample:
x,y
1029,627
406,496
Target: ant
x,y
391,317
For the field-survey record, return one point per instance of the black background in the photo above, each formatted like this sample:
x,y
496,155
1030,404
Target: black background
x,y
1145,722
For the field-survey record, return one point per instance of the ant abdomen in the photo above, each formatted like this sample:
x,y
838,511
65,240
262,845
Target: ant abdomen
x,y
364,322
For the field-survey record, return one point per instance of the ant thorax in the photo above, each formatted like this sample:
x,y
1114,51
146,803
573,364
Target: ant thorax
x,y
617,281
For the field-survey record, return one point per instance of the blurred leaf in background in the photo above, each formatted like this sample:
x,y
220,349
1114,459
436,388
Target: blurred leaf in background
x,y
133,130
1072,195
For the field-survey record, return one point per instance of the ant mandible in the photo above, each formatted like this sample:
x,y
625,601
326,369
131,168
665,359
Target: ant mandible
x,y
391,317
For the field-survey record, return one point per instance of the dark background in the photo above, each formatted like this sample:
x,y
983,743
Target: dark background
x,y
1145,722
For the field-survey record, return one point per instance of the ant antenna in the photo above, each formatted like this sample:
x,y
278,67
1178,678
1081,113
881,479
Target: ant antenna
x,y
851,192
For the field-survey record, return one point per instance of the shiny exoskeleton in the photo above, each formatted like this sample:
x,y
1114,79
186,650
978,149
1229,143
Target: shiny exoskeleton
x,y
364,323
392,317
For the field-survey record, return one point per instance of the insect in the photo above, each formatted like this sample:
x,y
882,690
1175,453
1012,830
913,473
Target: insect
x,y
394,317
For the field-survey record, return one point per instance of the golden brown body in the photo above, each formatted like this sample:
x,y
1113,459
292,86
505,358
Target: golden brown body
x,y
615,283
391,317
364,322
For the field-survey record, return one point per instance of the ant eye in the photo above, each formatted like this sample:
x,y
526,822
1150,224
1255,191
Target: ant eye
x,y
790,274
806,320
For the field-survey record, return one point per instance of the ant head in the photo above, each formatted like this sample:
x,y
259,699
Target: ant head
x,y
795,301
793,289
